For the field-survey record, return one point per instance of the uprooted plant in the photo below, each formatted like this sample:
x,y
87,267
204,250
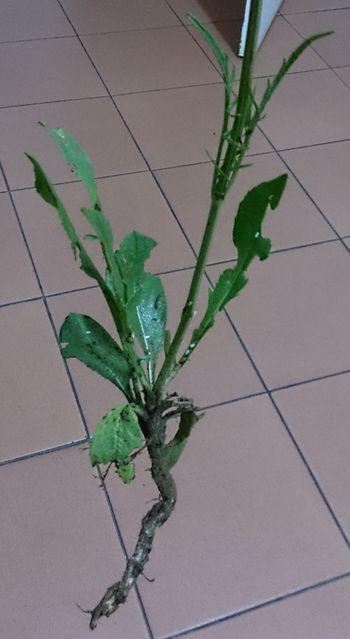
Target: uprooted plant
x,y
138,305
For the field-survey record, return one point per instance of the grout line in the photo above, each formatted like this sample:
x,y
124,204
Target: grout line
x,y
218,83
125,553
298,13
77,181
329,67
304,189
166,272
45,451
77,400
309,381
263,604
151,170
30,104
294,441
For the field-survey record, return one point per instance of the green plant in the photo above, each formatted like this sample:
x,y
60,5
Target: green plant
x,y
138,305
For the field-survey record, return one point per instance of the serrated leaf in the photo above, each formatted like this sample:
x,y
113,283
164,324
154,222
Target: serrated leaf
x,y
85,339
247,235
115,437
147,314
77,159
176,446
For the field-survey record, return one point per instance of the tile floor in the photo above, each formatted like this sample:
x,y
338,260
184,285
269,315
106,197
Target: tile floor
x,y
258,547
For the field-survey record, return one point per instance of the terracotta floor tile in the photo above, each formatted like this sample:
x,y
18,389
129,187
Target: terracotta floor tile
x,y
317,416
37,19
335,49
308,108
118,15
324,171
299,6
344,74
38,410
17,277
46,70
130,201
177,126
275,533
199,379
58,547
279,43
208,10
94,123
130,61
294,313
296,222
317,614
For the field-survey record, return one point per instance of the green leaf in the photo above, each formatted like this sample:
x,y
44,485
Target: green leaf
x,y
77,159
85,339
46,190
176,446
228,286
115,437
126,472
220,55
247,235
250,243
147,314
135,249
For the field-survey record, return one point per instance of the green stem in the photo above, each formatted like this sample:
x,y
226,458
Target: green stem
x,y
243,99
188,310
225,176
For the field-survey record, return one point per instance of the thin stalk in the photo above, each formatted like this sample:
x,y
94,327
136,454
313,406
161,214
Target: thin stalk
x,y
228,169
243,99
188,309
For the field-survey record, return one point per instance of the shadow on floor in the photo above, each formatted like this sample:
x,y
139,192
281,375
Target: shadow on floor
x,y
229,30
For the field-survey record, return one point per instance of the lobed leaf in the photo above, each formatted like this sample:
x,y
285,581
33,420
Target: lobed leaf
x,y
247,235
116,436
250,243
85,339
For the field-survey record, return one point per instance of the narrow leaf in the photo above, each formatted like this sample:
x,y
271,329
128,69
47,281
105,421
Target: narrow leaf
x,y
285,67
46,190
115,437
85,339
77,159
220,55
176,446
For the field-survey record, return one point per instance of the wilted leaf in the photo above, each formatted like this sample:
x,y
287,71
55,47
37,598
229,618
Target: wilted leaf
x,y
115,437
85,339
177,444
